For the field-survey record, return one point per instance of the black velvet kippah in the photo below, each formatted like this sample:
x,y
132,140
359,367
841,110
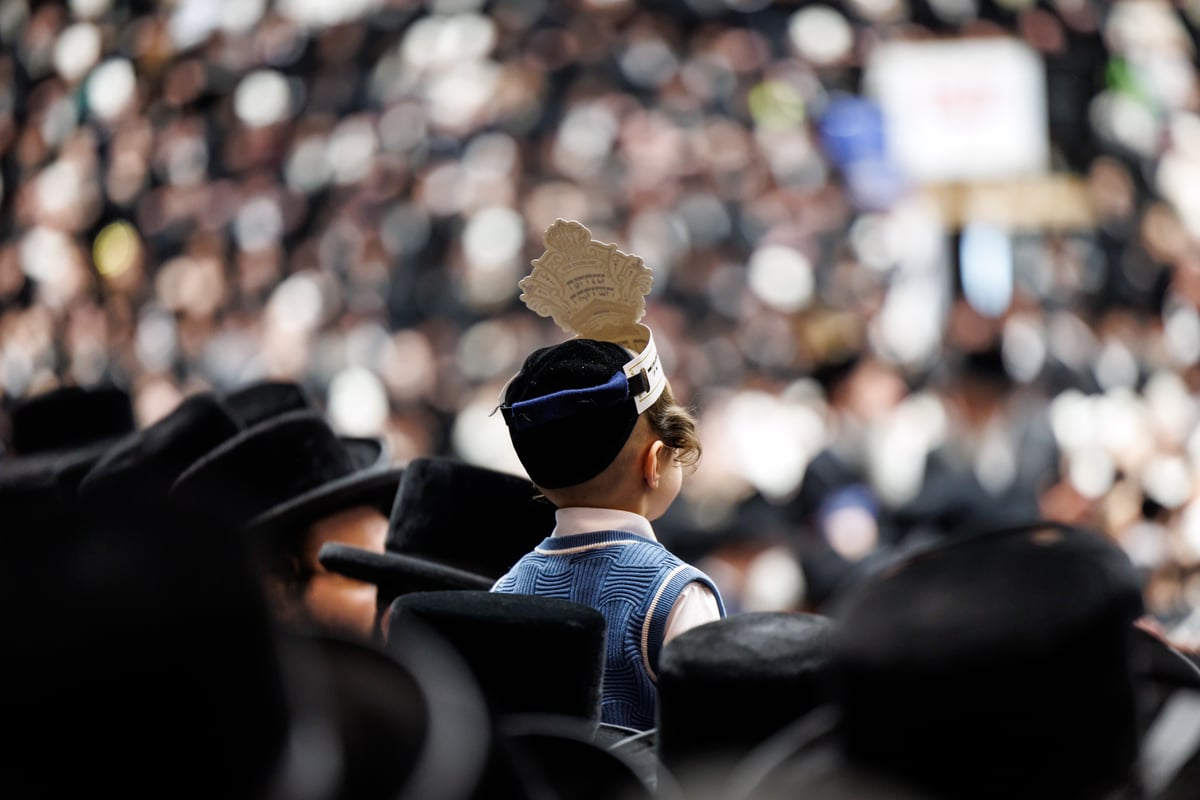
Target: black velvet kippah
x,y
583,431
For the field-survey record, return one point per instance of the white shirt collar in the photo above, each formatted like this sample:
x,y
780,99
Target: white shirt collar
x,y
579,519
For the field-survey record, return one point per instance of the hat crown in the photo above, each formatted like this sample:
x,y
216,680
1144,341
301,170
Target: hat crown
x,y
266,466
70,416
506,640
466,516
1069,579
727,686
258,402
145,465
1010,647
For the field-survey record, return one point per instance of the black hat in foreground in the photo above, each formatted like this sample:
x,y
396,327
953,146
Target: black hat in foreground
x,y
570,410
69,417
453,525
152,622
727,686
561,756
1003,664
375,725
180,662
803,760
529,653
282,475
998,665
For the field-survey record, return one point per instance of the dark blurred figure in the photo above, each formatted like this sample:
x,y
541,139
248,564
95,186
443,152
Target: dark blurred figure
x,y
54,439
1005,664
726,687
141,652
67,418
289,485
990,473
453,526
182,684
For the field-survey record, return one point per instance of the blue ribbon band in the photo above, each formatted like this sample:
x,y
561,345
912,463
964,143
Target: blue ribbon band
x,y
526,414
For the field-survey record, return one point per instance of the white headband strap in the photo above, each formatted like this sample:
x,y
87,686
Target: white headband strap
x,y
648,361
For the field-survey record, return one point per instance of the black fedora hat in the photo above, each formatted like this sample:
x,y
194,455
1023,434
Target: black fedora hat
x,y
260,401
1003,664
281,475
989,647
178,645
410,723
805,760
729,685
453,525
508,640
142,466
44,484
561,756
996,665
69,417
57,437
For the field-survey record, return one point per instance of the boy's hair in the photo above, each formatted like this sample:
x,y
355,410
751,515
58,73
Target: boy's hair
x,y
676,426
571,409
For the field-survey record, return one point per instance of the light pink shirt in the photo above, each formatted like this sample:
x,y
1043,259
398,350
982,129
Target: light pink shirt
x,y
696,604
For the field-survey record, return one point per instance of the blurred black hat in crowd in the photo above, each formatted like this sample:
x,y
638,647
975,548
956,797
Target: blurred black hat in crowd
x,y
997,665
1002,664
727,686
180,683
142,467
529,653
56,438
562,757
281,475
260,401
70,417
453,525
144,641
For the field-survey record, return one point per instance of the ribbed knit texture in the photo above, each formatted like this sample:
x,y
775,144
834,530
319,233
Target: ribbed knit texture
x,y
634,582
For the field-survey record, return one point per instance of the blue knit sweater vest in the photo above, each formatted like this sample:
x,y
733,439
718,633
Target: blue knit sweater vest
x,y
634,582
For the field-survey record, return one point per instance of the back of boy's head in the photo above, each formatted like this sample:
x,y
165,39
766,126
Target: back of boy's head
x,y
570,411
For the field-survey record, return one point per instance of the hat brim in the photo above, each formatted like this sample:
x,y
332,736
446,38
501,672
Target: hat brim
x,y
823,771
374,487
1157,661
395,573
566,756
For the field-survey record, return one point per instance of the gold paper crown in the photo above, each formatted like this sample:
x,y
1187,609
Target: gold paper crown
x,y
594,291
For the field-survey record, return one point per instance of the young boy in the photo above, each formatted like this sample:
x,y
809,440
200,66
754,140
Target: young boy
x,y
572,414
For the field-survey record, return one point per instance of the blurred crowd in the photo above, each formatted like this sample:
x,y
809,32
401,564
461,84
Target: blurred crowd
x,y
202,193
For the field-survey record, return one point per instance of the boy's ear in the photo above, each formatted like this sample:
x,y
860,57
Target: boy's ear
x,y
650,465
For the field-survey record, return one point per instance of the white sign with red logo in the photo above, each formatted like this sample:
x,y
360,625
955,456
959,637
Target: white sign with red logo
x,y
962,110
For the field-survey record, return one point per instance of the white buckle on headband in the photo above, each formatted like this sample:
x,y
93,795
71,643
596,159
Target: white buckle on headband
x,y
648,362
